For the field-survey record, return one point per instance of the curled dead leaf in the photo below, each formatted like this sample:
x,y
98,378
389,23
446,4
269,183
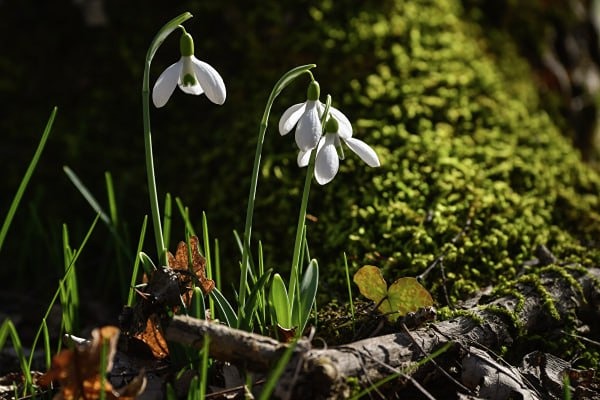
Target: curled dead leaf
x,y
78,369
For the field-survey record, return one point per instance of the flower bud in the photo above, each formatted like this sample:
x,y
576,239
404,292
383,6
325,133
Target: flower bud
x,y
314,91
332,126
186,45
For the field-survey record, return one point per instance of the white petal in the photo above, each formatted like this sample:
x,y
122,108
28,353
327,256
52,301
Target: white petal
x,y
327,162
165,84
345,127
364,151
309,129
290,118
303,158
210,81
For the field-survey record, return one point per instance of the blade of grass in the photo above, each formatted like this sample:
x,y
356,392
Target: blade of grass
x,y
136,263
87,195
112,203
69,293
217,265
57,293
253,300
225,308
47,349
198,307
183,210
147,263
349,291
167,219
277,371
8,329
204,366
25,181
114,219
207,257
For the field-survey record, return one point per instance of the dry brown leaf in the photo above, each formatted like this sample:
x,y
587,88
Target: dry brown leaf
x,y
167,289
77,370
153,336
180,262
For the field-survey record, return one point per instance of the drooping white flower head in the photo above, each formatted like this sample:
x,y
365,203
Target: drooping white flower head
x,y
306,117
327,161
191,75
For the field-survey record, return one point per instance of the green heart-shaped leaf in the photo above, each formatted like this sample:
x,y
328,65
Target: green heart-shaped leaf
x,y
407,295
370,282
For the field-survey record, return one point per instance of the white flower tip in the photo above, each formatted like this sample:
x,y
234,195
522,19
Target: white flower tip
x,y
165,85
327,162
364,151
322,181
210,81
290,118
303,158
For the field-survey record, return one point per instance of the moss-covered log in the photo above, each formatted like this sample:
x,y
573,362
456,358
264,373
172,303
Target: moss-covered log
x,y
542,308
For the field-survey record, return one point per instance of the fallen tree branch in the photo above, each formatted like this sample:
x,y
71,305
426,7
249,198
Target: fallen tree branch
x,y
539,306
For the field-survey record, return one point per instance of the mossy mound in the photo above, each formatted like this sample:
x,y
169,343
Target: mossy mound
x,y
464,147
474,172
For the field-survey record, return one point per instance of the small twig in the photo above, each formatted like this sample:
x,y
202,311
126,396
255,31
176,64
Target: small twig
x,y
583,338
396,371
360,355
435,364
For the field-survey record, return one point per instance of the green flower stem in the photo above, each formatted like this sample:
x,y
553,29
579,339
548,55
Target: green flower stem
x,y
285,80
295,272
154,207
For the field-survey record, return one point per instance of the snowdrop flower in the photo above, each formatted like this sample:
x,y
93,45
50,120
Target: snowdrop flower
x,y
306,117
191,75
327,161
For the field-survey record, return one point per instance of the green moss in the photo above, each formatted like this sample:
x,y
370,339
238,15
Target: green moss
x,y
464,145
445,313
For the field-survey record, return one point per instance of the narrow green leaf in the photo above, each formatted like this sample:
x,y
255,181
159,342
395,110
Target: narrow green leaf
x,y
87,195
168,214
276,372
136,263
351,300
225,309
147,263
25,181
112,203
252,303
8,329
198,307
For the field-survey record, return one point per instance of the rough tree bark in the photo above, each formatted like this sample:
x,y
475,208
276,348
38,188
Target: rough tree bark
x,y
467,367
